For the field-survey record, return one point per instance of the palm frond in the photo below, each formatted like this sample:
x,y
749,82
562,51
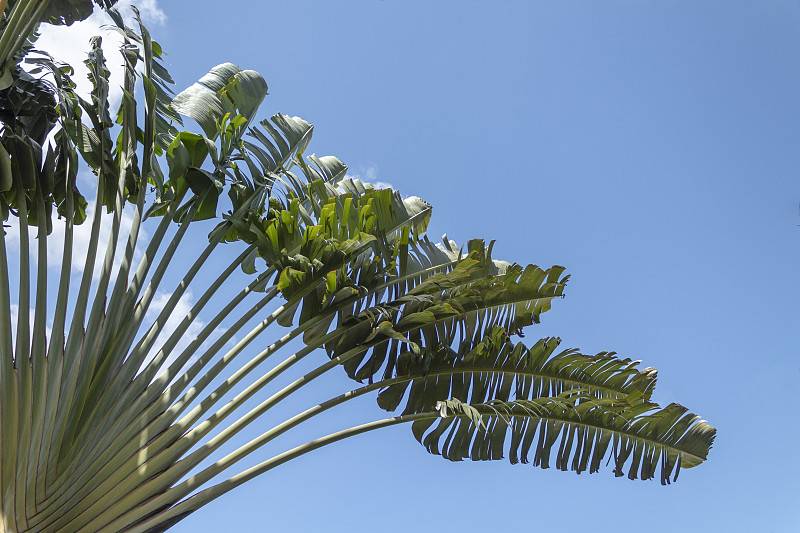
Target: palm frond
x,y
107,427
496,369
225,90
447,307
643,443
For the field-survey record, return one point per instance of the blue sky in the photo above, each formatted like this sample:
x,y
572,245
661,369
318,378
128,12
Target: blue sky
x,y
649,147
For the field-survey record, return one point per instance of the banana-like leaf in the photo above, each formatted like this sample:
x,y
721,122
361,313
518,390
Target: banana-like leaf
x,y
457,306
639,439
225,89
280,139
31,108
496,369
107,430
155,76
67,12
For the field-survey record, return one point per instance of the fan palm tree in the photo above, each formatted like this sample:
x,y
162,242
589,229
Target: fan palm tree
x,y
106,425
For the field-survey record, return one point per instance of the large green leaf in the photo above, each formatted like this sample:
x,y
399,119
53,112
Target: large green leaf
x,y
498,388
497,369
225,89
642,442
106,429
459,305
67,12
280,139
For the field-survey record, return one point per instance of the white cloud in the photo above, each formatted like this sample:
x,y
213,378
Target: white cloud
x,y
178,313
151,13
15,318
71,43
81,237
370,175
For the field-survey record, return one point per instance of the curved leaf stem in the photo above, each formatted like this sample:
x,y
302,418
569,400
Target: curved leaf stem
x,y
23,361
55,358
137,394
7,387
38,361
187,506
76,335
197,433
116,363
124,436
150,253
91,358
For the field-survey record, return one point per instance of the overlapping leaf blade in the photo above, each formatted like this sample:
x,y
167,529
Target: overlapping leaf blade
x,y
116,446
225,89
641,443
495,368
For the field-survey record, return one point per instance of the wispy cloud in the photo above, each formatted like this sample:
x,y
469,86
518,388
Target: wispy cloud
x,y
71,43
15,319
151,12
81,239
178,313
370,175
